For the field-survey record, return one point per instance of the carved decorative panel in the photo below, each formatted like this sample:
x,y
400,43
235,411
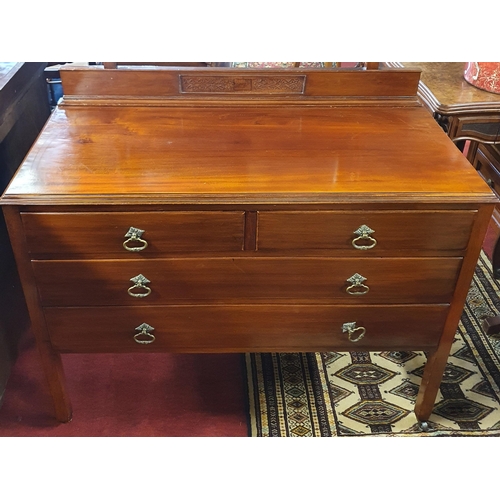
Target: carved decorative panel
x,y
243,84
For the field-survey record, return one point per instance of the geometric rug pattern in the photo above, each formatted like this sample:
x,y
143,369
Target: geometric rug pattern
x,y
373,393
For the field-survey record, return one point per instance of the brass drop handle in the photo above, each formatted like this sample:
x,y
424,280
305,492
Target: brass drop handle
x,y
144,335
363,234
140,282
134,235
354,333
357,286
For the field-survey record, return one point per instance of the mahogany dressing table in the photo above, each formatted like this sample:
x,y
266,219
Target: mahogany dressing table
x,y
230,210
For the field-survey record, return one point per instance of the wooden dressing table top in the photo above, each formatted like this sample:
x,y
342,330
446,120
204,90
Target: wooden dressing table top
x,y
322,154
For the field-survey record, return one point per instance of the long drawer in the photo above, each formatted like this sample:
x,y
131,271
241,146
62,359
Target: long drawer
x,y
245,328
243,280
107,232
388,231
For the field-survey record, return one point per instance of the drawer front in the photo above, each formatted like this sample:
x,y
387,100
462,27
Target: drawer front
x,y
488,165
485,128
243,280
245,328
392,231
105,233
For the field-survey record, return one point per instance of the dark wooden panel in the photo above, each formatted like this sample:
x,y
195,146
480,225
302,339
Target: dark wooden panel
x,y
24,108
243,280
165,232
244,328
393,231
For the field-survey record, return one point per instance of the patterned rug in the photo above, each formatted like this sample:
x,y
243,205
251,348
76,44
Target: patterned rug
x,y
368,394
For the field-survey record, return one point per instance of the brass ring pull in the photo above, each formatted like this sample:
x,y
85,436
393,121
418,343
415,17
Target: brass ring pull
x,y
144,336
139,281
363,233
357,286
355,333
134,235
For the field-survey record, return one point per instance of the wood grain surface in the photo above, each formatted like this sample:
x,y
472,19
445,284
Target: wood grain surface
x,y
244,328
246,280
269,154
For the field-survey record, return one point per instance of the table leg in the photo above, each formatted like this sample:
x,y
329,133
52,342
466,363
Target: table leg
x,y
54,372
429,387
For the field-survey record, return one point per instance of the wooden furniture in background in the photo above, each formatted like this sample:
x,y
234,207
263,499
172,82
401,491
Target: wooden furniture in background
x,y
463,111
223,210
24,109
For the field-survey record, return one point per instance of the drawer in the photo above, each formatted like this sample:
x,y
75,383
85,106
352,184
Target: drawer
x,y
487,163
393,231
243,280
482,128
245,328
105,232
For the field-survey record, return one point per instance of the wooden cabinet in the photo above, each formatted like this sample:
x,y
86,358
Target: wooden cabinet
x,y
240,211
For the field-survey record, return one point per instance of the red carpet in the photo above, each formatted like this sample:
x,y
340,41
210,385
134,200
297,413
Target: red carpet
x,y
190,395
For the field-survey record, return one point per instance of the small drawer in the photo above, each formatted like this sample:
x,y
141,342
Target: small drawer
x,y
366,232
244,328
113,232
486,128
487,163
246,279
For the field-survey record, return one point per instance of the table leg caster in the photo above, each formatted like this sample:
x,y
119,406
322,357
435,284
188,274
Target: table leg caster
x,y
424,426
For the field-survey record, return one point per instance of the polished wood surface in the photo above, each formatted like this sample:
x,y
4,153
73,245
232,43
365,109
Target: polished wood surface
x,y
95,233
163,154
238,328
251,189
104,233
404,231
247,279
